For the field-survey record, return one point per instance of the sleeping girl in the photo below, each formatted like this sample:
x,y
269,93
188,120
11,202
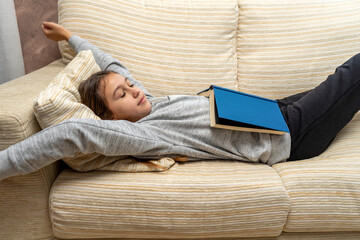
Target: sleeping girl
x,y
135,123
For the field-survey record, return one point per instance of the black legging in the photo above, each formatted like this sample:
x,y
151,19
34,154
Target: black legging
x,y
316,116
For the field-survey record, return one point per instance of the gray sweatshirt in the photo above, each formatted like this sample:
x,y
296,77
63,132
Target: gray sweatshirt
x,y
178,125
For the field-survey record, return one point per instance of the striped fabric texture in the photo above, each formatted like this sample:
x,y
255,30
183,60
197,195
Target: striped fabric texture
x,y
133,165
192,200
172,47
24,199
24,204
17,120
282,47
286,47
325,191
61,100
180,47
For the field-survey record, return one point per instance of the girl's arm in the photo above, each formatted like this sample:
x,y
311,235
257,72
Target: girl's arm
x,y
105,61
70,137
58,33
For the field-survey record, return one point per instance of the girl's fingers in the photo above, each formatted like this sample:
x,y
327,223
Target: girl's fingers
x,y
48,25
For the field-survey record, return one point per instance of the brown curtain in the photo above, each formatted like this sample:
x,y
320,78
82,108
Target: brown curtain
x,y
37,50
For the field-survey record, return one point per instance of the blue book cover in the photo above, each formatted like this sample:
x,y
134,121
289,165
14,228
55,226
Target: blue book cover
x,y
236,110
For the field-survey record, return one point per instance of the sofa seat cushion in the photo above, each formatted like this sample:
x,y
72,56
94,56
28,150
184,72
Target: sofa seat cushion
x,y
200,199
171,47
325,191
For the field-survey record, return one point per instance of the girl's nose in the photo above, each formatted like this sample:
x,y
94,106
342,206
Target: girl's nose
x,y
136,92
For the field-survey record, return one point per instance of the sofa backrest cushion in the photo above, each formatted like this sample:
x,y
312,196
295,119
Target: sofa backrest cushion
x,y
285,47
172,47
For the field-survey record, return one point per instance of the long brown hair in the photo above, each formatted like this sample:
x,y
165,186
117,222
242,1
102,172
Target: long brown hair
x,y
92,93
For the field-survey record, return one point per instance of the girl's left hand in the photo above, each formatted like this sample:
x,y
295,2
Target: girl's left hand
x,y
55,31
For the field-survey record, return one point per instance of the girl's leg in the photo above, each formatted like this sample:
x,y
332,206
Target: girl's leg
x,y
291,99
315,117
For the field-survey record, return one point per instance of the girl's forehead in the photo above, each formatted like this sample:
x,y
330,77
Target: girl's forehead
x,y
112,80
115,77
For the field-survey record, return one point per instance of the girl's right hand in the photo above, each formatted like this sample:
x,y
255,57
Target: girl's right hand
x,y
55,31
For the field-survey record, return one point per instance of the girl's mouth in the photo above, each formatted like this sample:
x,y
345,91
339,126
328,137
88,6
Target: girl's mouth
x,y
142,100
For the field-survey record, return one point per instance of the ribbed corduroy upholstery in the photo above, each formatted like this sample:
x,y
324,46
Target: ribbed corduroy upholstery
x,y
172,47
285,47
24,199
17,120
201,199
325,191
282,47
283,236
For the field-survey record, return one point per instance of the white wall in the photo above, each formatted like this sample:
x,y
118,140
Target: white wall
x,y
11,59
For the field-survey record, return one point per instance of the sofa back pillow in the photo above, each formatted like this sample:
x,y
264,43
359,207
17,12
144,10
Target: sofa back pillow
x,y
61,101
285,47
171,47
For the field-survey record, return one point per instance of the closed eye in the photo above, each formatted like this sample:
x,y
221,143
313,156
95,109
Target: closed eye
x,y
130,84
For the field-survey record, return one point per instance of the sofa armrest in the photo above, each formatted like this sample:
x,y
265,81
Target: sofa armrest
x,y
24,199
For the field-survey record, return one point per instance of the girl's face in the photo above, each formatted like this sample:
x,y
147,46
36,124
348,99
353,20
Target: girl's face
x,y
125,101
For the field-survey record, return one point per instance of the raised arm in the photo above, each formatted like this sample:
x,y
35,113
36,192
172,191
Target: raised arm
x,y
105,61
58,33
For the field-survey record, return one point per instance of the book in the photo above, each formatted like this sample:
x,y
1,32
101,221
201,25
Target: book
x,y
234,110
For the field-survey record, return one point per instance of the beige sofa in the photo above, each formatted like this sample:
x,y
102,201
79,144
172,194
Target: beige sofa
x,y
271,48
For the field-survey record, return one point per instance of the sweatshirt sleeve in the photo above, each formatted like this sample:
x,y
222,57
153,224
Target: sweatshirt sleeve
x,y
66,139
104,60
6,168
